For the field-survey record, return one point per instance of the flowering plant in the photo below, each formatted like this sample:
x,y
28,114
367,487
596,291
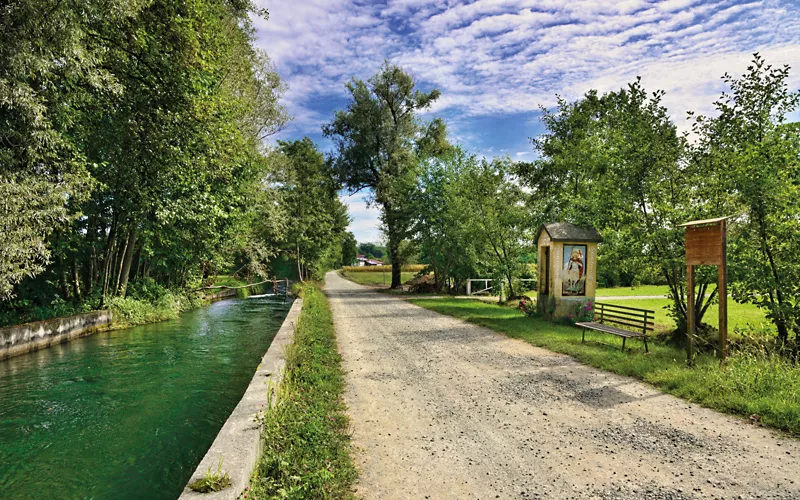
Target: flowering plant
x,y
584,311
527,306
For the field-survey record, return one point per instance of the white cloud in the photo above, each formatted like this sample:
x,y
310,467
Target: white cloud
x,y
495,57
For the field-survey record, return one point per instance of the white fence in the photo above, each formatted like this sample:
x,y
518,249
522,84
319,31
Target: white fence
x,y
487,285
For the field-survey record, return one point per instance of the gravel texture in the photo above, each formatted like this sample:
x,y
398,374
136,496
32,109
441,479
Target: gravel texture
x,y
445,409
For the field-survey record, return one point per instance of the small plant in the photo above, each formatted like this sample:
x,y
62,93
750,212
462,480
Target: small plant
x,y
527,306
212,481
584,312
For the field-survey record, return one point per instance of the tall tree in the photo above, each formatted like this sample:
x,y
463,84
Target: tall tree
x,y
446,241
310,194
753,155
492,207
380,141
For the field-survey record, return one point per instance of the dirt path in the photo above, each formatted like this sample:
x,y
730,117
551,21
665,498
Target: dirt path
x,y
445,409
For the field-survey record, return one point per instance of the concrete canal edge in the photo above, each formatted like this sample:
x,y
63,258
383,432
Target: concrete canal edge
x,y
238,443
19,339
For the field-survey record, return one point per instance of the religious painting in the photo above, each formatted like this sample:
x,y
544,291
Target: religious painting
x,y
573,273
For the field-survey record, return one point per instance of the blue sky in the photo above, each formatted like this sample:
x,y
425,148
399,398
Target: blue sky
x,y
497,61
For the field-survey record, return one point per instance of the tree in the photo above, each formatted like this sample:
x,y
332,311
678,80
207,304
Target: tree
x,y
349,249
438,223
317,218
617,162
131,140
753,155
372,249
493,213
49,68
379,143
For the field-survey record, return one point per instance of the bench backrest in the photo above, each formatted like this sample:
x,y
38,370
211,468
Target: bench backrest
x,y
640,320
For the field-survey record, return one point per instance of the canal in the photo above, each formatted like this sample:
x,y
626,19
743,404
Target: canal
x,y
129,413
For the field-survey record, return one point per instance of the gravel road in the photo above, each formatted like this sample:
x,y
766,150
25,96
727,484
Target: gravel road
x,y
444,409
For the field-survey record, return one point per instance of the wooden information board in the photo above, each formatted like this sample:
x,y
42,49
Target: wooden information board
x,y
704,245
707,245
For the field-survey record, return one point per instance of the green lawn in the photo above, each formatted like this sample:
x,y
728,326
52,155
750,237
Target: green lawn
x,y
630,291
739,315
625,291
746,385
375,279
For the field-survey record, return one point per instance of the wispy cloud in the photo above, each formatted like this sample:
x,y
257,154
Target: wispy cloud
x,y
501,58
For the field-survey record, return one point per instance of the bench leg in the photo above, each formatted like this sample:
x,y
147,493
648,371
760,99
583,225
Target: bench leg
x,y
583,335
623,343
645,344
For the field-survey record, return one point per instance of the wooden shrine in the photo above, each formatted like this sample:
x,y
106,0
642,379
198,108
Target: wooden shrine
x,y
567,268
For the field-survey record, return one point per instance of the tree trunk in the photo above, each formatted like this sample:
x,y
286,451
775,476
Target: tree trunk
x,y
126,262
76,279
394,246
118,265
299,266
110,244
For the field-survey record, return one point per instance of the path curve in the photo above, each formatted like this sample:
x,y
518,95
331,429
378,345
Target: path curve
x,y
441,408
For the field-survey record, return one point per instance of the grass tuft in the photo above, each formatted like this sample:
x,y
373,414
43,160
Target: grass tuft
x,y
212,481
306,438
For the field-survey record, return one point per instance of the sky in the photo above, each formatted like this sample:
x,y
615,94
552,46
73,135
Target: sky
x,y
497,62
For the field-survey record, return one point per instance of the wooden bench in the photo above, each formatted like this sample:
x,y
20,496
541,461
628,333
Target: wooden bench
x,y
639,322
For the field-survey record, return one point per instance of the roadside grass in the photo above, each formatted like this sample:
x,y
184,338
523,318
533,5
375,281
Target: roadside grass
x,y
747,384
375,278
306,439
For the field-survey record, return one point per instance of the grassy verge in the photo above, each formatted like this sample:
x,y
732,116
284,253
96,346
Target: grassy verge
x,y
306,443
375,278
748,384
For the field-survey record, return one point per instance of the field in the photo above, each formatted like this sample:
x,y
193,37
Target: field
x,y
627,291
746,385
739,315
379,278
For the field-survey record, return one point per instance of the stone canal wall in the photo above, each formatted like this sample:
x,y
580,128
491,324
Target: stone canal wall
x,y
29,337
238,444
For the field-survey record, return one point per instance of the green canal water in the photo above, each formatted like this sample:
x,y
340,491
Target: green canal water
x,y
130,413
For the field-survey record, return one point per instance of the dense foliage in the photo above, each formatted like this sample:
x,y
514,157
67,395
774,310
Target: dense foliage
x,y
131,150
470,219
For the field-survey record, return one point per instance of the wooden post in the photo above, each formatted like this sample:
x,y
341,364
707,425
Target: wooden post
x,y
722,286
690,326
469,287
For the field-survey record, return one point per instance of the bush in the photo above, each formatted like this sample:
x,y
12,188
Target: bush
x,y
146,289
129,311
